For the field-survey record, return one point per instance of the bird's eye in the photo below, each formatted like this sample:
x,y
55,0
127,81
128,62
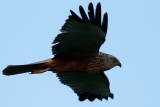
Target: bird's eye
x,y
113,60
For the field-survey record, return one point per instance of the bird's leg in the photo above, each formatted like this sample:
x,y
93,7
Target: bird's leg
x,y
38,71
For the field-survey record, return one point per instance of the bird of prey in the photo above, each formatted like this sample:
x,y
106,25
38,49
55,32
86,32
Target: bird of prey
x,y
77,61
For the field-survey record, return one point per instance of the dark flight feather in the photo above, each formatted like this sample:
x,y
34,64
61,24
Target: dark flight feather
x,y
105,23
81,36
75,16
94,19
91,12
83,14
87,85
98,15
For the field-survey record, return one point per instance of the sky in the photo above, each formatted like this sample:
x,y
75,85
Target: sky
x,y
28,27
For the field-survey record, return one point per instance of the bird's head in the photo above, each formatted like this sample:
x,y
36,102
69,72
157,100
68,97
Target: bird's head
x,y
112,61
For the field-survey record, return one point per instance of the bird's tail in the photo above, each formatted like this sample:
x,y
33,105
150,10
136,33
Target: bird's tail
x,y
33,68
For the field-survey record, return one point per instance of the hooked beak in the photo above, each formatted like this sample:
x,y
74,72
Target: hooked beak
x,y
119,64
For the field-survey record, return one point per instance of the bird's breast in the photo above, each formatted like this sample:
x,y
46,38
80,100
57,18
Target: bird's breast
x,y
90,64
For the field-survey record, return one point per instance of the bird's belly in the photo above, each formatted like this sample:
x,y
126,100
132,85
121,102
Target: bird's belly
x,y
82,65
68,66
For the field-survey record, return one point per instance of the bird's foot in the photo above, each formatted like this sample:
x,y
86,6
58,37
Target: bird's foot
x,y
38,71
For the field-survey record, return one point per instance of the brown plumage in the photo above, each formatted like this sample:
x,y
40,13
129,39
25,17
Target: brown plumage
x,y
77,60
89,64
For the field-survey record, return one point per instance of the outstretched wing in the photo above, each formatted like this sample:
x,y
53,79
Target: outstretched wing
x,y
86,85
81,36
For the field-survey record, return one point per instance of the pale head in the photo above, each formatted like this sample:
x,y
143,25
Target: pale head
x,y
112,61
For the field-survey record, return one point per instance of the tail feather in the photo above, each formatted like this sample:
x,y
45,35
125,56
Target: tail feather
x,y
33,68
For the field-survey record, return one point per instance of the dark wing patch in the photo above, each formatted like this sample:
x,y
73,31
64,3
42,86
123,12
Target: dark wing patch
x,y
86,85
81,36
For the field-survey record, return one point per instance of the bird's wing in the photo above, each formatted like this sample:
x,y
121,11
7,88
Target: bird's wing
x,y
86,85
81,36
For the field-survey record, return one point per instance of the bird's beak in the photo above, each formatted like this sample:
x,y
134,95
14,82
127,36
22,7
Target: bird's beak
x,y
119,64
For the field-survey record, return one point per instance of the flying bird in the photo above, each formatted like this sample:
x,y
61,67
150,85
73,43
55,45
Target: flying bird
x,y
77,61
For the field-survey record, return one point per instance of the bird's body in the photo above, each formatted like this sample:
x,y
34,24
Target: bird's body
x,y
89,64
77,60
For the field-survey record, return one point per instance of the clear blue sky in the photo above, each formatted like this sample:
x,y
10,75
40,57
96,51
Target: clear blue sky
x,y
27,28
